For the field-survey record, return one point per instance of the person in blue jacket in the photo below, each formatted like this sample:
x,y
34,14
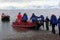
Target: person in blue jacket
x,y
34,18
42,20
59,24
53,22
24,18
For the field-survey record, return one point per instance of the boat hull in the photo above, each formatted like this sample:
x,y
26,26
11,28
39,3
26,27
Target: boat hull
x,y
29,25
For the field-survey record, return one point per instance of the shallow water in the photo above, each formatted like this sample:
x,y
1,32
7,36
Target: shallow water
x,y
6,28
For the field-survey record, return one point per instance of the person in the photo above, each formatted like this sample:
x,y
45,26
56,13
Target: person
x,y
34,18
2,15
53,22
59,24
35,21
42,20
47,23
25,17
19,17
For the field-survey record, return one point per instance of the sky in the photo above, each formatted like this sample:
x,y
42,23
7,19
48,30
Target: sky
x,y
23,4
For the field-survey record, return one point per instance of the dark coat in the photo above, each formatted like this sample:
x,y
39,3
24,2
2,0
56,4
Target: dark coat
x,y
34,18
42,18
53,20
47,20
25,17
58,22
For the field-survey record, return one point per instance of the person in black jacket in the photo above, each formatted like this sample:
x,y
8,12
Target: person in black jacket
x,y
47,23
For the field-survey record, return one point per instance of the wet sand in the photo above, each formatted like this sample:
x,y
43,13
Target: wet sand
x,y
33,35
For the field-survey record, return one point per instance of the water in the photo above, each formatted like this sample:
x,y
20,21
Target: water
x,y
6,28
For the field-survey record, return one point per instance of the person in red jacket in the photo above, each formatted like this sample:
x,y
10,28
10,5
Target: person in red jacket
x,y
19,17
2,15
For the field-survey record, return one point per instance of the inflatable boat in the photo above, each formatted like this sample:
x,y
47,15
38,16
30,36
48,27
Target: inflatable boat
x,y
26,25
5,18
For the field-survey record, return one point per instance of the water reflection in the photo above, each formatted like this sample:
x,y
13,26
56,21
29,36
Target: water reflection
x,y
22,29
6,27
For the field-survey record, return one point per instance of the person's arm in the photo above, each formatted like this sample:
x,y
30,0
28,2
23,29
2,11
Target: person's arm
x,y
31,18
50,21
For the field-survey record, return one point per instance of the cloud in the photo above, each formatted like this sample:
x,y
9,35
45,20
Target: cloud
x,y
18,5
28,3
28,0
20,0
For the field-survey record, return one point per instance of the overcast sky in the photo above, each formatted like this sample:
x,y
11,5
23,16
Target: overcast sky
x,y
27,3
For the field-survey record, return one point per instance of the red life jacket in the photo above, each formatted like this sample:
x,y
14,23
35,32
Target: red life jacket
x,y
19,17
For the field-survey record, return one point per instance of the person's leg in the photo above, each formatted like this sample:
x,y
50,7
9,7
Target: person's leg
x,y
25,22
37,26
47,28
59,30
43,25
53,28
